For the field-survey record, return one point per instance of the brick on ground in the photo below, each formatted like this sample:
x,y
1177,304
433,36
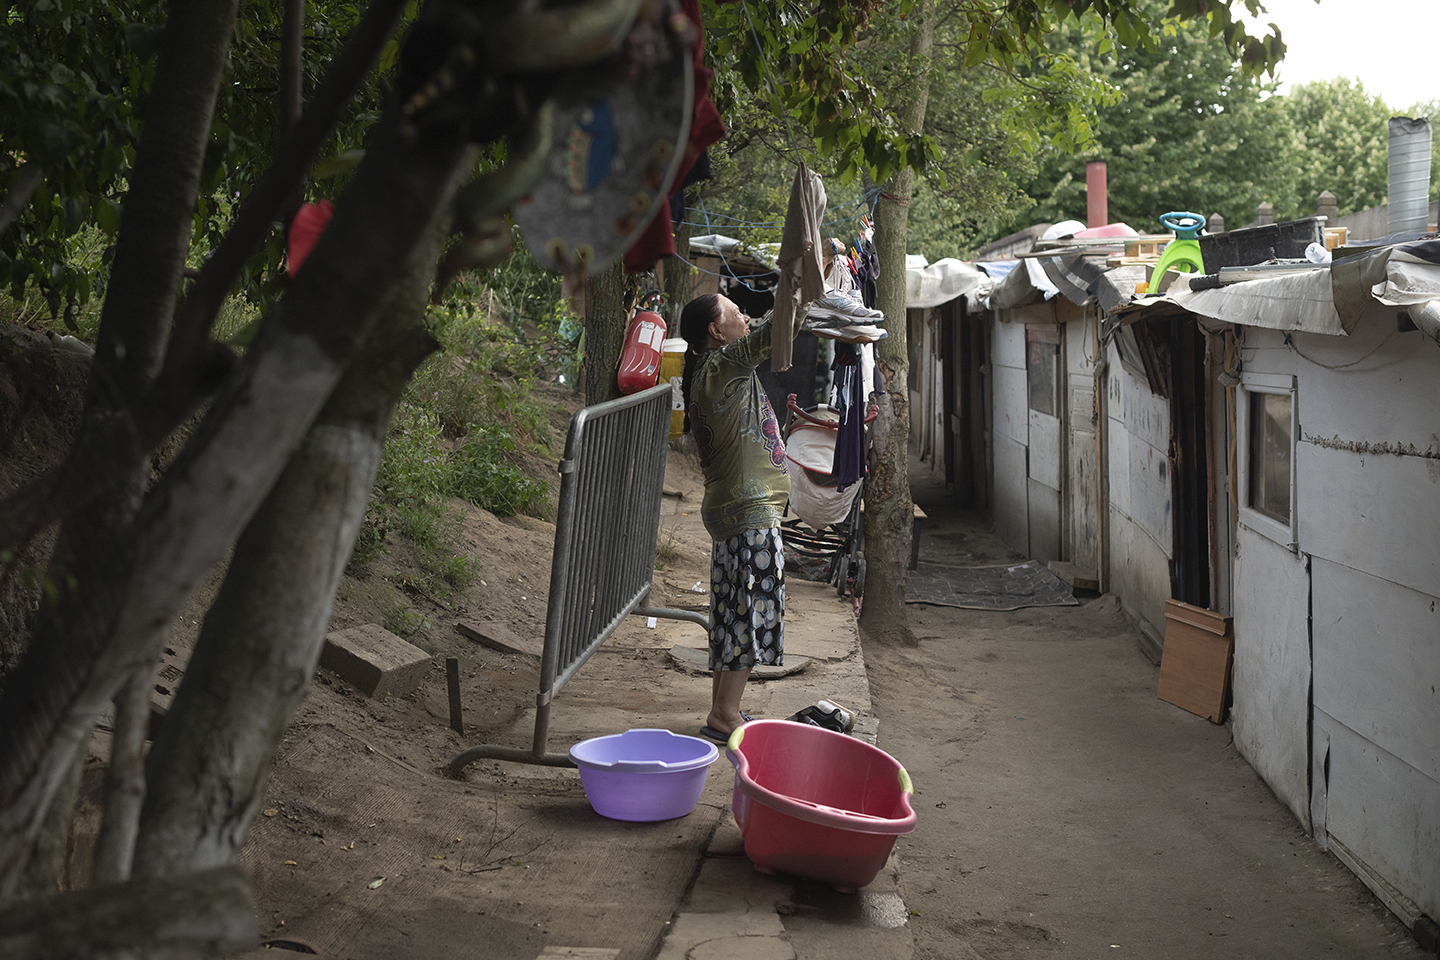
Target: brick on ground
x,y
374,660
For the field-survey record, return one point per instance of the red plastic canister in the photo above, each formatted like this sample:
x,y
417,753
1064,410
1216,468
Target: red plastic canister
x,y
640,360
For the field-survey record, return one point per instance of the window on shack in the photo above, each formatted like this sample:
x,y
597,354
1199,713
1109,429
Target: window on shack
x,y
1266,419
1042,368
1270,455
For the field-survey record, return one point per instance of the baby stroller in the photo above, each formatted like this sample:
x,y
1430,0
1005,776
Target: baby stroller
x,y
826,540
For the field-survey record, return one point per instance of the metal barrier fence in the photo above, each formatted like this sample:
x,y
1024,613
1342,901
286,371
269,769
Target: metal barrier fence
x,y
611,485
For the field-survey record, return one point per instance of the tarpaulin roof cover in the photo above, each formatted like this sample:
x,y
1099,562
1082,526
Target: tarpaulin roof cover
x,y
715,245
1327,300
929,285
1027,283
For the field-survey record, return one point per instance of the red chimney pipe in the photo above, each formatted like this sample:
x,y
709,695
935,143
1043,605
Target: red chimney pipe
x,y
1097,196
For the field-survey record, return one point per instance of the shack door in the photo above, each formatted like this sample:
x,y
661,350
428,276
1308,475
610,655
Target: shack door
x,y
1191,475
1043,367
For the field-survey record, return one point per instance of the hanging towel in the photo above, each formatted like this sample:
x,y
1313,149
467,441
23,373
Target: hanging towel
x,y
850,404
802,279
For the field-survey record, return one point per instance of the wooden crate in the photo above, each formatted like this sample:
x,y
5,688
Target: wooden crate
x,y
1335,237
1146,245
1195,664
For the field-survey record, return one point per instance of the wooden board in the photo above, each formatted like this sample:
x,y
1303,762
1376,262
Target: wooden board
x,y
498,636
1207,620
1195,669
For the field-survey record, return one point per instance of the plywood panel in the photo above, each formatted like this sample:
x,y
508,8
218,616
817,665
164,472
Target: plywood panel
x,y
1012,514
1045,449
1009,345
1012,405
1044,522
1377,661
1042,313
1195,670
1385,812
1271,679
1373,513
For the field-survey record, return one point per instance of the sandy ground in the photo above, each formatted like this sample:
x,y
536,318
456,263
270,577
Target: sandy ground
x,y
1064,810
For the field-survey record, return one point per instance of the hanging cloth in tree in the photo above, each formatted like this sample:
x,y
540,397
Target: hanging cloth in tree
x,y
802,278
706,129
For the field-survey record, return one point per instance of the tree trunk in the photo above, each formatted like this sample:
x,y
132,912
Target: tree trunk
x,y
605,324
888,508
192,518
94,543
261,640
679,278
178,918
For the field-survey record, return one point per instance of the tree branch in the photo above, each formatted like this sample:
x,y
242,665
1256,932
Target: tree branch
x,y
186,375
292,49
193,517
175,391
262,637
124,781
160,205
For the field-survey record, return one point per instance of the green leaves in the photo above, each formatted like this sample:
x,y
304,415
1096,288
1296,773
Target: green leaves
x,y
806,65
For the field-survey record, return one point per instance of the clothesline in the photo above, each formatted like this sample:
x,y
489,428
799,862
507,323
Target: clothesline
x,y
868,199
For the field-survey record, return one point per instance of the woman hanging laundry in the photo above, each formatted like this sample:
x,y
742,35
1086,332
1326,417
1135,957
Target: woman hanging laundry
x,y
746,487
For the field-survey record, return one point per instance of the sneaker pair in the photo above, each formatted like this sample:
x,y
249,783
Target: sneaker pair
x,y
838,305
850,332
827,715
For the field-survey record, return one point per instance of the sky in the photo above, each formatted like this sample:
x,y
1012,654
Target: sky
x,y
1392,46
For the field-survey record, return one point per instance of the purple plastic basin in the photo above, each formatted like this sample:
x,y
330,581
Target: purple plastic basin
x,y
644,774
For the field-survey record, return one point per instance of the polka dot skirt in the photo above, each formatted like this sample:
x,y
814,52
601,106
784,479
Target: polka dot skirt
x,y
747,601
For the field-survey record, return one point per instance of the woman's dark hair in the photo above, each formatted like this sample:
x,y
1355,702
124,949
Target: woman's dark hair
x,y
695,322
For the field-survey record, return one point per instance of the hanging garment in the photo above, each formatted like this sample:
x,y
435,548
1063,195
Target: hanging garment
x,y
868,271
706,128
850,398
801,276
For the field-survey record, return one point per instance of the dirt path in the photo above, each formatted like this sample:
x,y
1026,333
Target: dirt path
x,y
1065,810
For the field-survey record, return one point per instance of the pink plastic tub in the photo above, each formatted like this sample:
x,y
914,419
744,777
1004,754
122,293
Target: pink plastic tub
x,y
816,803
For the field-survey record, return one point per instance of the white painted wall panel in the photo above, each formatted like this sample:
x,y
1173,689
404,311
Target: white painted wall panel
x,y
1264,351
1009,345
1143,413
1117,462
1079,349
1012,404
1377,662
1389,397
1139,571
1377,513
1385,812
1271,678
1151,492
1045,449
1081,488
1012,512
1044,522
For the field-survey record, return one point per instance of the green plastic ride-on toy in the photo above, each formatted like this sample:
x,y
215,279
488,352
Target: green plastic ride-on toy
x,y
1182,253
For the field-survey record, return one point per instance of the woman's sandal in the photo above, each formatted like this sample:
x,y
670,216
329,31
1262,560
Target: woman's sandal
x,y
710,733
